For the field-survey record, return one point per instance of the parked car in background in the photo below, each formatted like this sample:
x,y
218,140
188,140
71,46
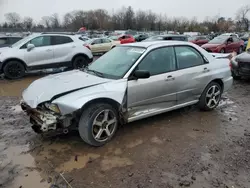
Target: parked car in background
x,y
41,51
8,40
231,34
168,37
199,40
241,65
101,45
224,44
140,37
131,82
124,39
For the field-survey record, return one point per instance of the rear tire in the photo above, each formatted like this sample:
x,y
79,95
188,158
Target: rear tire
x,y
98,124
79,62
210,97
14,70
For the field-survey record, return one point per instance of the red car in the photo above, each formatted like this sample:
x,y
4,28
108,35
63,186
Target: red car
x,y
199,40
224,44
124,39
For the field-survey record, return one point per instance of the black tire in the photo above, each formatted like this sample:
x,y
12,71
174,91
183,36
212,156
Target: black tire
x,y
80,62
240,50
203,103
14,70
86,124
222,51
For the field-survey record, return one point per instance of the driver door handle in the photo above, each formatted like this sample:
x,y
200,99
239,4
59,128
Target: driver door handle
x,y
169,78
49,50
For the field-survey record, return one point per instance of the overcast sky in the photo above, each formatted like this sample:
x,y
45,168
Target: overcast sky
x,y
186,8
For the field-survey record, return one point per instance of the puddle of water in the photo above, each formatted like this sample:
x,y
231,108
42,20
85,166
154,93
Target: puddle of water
x,y
135,143
113,162
80,163
30,180
17,155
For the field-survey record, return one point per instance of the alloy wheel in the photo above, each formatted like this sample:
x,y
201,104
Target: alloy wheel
x,y
213,96
104,125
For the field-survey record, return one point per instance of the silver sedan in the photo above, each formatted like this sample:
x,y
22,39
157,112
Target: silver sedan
x,y
129,83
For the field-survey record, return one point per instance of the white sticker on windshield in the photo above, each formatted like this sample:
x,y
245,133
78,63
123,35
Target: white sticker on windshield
x,y
136,50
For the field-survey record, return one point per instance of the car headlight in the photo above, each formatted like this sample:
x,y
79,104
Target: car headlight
x,y
52,107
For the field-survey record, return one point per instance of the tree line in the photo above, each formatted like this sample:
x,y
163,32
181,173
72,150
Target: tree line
x,y
127,18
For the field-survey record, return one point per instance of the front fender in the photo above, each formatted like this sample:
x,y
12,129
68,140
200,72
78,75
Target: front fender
x,y
74,101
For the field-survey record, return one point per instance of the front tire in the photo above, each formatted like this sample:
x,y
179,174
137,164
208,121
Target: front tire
x,y
210,97
14,70
98,124
79,62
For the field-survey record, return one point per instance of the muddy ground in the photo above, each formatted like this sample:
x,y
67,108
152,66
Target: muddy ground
x,y
183,148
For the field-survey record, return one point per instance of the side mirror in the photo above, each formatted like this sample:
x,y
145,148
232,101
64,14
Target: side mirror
x,y
30,47
141,74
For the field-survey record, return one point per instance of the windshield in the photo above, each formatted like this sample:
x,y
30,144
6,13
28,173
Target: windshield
x,y
116,62
20,42
218,40
89,41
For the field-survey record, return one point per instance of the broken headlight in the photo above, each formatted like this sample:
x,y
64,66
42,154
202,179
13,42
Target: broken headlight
x,y
52,107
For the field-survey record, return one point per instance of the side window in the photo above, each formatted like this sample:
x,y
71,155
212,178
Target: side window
x,y
97,41
3,40
235,39
187,57
230,39
39,41
57,40
106,41
159,61
127,36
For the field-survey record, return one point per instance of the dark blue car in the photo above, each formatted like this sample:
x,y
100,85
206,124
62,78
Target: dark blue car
x,y
8,40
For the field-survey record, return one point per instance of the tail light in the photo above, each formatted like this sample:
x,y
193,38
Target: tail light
x,y
230,65
87,46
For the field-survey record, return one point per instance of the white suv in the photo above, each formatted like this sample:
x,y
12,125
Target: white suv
x,y
42,51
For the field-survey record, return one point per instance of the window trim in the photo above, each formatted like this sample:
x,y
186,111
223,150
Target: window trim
x,y
202,56
105,39
131,74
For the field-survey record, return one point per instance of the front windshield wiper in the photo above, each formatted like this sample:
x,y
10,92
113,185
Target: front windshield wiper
x,y
95,72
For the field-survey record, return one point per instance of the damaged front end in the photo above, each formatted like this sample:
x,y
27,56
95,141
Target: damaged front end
x,y
44,120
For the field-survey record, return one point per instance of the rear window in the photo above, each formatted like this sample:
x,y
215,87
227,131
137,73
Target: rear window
x,y
57,40
14,40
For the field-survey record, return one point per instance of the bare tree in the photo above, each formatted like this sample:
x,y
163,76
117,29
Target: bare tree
x,y
27,23
54,20
242,17
46,21
13,18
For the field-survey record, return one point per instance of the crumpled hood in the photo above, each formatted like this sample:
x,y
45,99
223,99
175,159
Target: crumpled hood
x,y
46,88
244,57
210,45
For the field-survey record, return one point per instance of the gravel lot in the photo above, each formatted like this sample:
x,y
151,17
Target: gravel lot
x,y
183,148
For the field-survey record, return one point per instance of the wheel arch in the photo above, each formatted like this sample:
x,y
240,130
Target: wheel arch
x,y
220,82
79,54
109,101
13,59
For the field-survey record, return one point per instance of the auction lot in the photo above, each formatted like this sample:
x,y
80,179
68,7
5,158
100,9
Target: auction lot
x,y
183,148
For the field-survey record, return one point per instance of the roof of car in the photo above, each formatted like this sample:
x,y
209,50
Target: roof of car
x,y
153,44
11,37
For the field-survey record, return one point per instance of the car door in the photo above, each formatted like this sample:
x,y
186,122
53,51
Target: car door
x,y
106,45
96,46
193,74
157,92
63,48
236,44
42,54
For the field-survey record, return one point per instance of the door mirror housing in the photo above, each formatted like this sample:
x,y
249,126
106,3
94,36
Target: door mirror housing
x,y
141,74
30,47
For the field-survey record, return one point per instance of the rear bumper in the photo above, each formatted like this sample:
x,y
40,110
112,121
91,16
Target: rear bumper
x,y
228,82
